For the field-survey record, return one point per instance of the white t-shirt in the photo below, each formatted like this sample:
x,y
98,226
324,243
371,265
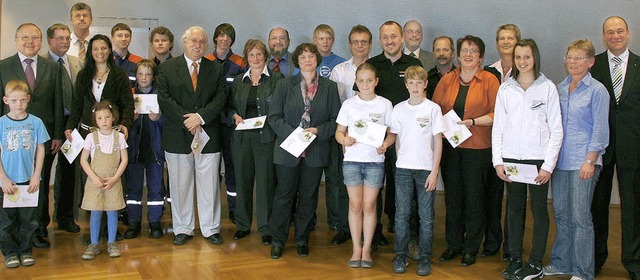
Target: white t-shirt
x,y
353,109
106,143
415,127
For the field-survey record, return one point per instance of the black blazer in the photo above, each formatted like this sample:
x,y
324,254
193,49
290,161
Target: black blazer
x,y
117,90
624,118
287,107
238,101
46,98
177,98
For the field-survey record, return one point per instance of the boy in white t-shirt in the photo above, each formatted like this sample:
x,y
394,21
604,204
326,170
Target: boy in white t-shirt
x,y
418,124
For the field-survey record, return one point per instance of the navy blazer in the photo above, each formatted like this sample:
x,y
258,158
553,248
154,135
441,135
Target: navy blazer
x,y
287,107
46,98
177,98
624,117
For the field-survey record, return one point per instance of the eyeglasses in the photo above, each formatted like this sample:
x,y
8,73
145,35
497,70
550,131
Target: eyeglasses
x,y
362,42
62,38
574,58
470,51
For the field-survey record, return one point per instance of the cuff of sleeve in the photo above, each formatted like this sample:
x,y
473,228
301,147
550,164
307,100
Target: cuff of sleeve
x,y
201,120
547,167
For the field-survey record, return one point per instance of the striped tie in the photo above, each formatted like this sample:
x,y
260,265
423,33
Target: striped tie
x,y
616,78
82,51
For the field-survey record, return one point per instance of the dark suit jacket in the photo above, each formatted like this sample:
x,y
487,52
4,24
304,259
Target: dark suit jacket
x,y
177,98
238,101
287,107
117,90
46,98
624,118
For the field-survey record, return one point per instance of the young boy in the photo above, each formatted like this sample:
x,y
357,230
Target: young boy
x,y
22,152
419,124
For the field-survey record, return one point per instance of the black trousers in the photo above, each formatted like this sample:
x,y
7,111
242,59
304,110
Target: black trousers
x,y
42,211
493,234
629,185
600,213
337,199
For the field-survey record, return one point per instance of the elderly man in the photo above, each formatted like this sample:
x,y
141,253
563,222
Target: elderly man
x,y
617,69
58,38
280,60
412,39
45,86
81,19
444,50
391,64
192,94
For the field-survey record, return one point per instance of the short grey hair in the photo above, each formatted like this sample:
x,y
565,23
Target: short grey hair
x,y
187,34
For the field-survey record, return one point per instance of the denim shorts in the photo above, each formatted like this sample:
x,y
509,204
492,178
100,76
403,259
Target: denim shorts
x,y
370,174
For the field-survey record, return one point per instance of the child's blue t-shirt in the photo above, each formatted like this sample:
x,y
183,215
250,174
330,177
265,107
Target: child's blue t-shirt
x,y
20,139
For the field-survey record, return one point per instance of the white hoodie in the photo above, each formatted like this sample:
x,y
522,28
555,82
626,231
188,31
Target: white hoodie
x,y
527,125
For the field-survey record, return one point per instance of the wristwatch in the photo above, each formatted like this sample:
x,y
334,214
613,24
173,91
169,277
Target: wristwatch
x,y
590,162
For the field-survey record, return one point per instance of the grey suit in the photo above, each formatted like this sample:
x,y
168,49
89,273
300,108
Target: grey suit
x,y
427,59
300,175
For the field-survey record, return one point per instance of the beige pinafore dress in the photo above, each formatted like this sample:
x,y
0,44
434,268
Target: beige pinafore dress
x,y
104,165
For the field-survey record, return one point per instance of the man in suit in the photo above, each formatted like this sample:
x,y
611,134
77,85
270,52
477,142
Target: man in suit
x,y
58,38
81,19
412,39
191,95
619,70
43,77
280,60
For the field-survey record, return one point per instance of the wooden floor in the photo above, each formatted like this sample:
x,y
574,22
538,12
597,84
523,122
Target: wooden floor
x,y
146,258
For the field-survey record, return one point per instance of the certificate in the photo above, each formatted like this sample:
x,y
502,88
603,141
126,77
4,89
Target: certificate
x,y
252,123
145,103
297,141
71,150
455,133
521,173
368,133
21,198
199,141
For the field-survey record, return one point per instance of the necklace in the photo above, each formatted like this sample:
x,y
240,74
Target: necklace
x,y
463,83
100,77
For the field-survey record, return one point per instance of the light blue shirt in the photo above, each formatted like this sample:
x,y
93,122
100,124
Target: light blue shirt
x,y
328,63
20,139
585,122
284,65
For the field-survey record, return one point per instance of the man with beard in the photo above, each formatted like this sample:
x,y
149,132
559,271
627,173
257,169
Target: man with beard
x,y
280,60
444,50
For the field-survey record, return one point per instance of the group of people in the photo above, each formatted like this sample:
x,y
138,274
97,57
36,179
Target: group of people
x,y
574,132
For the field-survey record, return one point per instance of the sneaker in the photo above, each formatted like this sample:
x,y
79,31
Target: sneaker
x,y
400,264
92,251
529,272
112,248
27,260
11,261
575,278
509,273
550,270
424,267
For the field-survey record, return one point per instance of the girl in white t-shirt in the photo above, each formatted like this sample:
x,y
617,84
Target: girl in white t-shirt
x,y
363,165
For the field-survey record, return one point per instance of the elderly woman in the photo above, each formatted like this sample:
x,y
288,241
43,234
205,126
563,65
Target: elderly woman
x,y
252,149
311,102
470,92
584,103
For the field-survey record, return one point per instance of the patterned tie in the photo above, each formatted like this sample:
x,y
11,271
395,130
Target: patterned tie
x,y
31,77
67,86
412,55
616,78
194,75
276,64
81,50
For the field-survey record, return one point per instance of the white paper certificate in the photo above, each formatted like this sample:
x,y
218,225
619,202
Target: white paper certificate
x,y
521,173
145,103
21,198
252,123
71,150
455,133
199,141
368,133
297,141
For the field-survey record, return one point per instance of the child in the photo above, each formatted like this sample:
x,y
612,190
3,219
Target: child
x,y
146,154
22,152
363,165
103,190
419,124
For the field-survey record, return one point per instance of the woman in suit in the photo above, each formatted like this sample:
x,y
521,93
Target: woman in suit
x,y
100,80
252,150
312,103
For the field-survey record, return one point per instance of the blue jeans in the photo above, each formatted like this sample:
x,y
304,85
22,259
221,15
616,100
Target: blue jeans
x,y
408,181
572,251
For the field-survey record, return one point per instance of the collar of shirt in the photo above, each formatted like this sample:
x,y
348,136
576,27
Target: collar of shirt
x,y
55,58
117,56
408,52
498,66
265,72
34,65
284,58
76,41
190,62
215,55
623,56
586,80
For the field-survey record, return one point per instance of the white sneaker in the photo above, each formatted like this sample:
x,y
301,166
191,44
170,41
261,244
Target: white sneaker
x,y
550,270
576,278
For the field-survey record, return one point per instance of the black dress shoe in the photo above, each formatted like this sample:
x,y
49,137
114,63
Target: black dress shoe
x,y
181,239
240,234
340,237
267,239
133,231
41,232
214,239
276,251
232,217
303,250
487,253
40,242
69,227
468,259
155,230
448,255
